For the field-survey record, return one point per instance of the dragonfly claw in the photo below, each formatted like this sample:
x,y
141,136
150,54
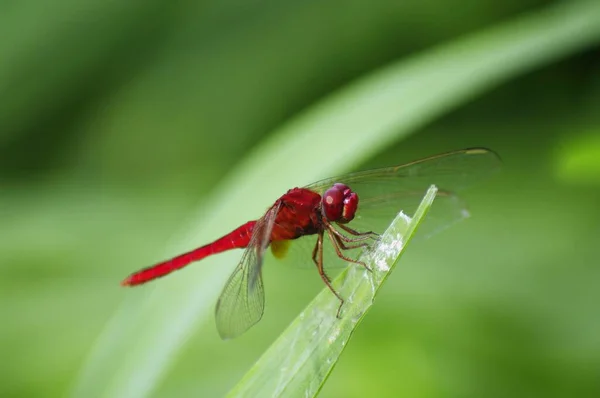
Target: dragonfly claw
x,y
338,315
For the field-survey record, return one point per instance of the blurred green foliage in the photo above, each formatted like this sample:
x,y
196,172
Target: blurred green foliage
x,y
118,118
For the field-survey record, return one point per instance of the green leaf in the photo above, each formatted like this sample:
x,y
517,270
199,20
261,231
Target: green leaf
x,y
302,358
578,160
141,341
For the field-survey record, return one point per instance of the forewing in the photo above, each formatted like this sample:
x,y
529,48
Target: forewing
x,y
242,301
384,192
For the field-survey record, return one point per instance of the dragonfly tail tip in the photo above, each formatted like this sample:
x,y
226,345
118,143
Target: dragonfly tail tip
x,y
126,282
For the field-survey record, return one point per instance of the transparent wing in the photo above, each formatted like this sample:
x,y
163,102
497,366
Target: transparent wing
x,y
384,192
242,301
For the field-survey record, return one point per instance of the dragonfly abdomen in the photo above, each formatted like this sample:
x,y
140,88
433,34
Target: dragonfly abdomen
x,y
236,239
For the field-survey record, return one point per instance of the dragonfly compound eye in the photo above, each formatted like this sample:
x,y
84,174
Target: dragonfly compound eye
x,y
340,203
350,206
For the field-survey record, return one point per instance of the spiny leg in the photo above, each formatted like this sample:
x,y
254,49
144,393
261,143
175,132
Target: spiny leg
x,y
318,259
336,245
371,234
315,251
345,246
343,237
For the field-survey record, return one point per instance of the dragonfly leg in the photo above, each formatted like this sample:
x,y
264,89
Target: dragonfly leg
x,y
318,259
336,245
343,237
347,245
370,234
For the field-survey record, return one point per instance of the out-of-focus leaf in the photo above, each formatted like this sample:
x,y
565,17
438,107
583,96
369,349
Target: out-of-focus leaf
x,y
579,160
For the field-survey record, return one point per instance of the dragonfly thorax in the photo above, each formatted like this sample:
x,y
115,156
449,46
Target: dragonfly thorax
x,y
339,203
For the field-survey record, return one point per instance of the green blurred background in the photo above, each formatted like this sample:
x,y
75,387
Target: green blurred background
x,y
119,119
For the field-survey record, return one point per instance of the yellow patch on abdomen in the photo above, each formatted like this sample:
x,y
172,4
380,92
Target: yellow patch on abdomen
x,y
279,248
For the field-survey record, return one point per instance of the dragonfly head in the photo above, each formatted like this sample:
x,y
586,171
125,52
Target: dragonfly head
x,y
339,203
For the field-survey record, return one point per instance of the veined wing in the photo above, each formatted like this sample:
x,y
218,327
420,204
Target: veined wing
x,y
242,301
384,192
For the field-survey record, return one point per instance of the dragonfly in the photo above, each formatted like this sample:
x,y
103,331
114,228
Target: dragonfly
x,y
336,219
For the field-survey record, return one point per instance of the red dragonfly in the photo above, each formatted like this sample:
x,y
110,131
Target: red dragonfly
x,y
366,200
